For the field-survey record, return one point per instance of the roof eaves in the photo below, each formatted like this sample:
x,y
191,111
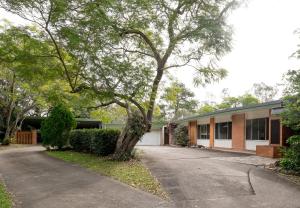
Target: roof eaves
x,y
236,109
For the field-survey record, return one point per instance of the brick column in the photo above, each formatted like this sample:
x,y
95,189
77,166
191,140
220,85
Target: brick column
x,y
193,132
211,132
238,131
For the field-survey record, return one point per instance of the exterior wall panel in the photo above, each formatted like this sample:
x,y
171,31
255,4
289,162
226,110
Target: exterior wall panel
x,y
223,143
203,142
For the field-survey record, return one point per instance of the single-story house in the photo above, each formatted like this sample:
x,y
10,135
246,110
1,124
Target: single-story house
x,y
251,128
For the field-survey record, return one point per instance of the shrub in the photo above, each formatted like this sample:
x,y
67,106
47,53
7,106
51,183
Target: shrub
x,y
81,139
291,155
98,141
105,141
181,135
55,129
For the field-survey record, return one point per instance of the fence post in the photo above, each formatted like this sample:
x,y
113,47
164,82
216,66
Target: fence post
x,y
34,136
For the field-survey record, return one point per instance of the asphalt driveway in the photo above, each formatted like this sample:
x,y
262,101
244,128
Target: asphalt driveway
x,y
39,181
208,179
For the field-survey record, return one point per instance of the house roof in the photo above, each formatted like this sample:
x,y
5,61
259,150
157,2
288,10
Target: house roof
x,y
266,105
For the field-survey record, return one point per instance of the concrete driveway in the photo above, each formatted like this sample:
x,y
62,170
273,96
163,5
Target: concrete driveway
x,y
39,181
203,178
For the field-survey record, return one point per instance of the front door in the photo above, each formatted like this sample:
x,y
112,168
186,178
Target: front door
x,y
166,136
275,131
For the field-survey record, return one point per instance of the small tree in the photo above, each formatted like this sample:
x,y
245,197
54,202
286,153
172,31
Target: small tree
x,y
56,128
181,135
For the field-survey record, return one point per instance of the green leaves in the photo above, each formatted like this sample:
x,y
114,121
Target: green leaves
x,y
208,75
56,127
178,100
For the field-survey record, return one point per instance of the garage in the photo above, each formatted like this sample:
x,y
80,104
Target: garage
x,y
151,138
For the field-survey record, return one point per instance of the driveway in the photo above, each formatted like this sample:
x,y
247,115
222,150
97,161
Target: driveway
x,y
208,179
39,181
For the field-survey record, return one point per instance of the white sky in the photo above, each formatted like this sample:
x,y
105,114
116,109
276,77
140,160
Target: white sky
x,y
263,41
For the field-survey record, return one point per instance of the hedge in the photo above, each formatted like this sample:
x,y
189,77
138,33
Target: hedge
x,y
97,141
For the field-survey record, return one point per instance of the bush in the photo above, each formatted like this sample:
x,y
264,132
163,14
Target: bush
x,y
98,141
55,129
181,135
81,139
291,155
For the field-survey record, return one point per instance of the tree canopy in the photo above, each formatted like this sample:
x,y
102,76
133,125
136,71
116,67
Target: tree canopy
x,y
178,100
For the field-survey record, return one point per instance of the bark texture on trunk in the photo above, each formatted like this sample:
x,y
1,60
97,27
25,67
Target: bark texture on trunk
x,y
133,131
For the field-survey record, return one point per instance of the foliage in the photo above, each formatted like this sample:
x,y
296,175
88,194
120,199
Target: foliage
x,y
291,154
56,127
98,141
248,99
181,135
264,93
291,114
179,100
19,94
110,114
5,199
233,102
206,108
131,172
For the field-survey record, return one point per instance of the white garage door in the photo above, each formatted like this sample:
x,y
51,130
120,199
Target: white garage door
x,y
150,138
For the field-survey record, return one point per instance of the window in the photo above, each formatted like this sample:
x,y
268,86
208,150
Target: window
x,y
257,129
203,131
223,130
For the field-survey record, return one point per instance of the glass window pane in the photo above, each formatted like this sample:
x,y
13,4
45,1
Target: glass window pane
x,y
208,129
217,125
255,129
248,130
223,130
229,130
262,129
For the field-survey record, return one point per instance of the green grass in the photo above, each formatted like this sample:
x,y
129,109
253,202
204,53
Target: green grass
x,y
133,172
5,200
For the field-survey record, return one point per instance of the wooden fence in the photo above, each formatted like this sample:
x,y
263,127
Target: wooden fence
x,y
26,137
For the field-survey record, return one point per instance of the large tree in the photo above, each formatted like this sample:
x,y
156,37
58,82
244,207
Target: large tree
x,y
124,47
20,58
178,100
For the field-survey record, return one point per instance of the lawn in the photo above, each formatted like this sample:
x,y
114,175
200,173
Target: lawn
x,y
133,172
5,200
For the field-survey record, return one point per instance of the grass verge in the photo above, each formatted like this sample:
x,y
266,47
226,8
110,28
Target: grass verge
x,y
5,200
133,172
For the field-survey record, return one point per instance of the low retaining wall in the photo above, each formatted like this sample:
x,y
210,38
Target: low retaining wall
x,y
272,151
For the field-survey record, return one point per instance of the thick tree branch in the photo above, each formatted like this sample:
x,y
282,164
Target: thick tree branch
x,y
147,40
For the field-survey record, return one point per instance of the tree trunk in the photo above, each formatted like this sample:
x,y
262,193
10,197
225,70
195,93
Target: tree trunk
x,y
133,131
